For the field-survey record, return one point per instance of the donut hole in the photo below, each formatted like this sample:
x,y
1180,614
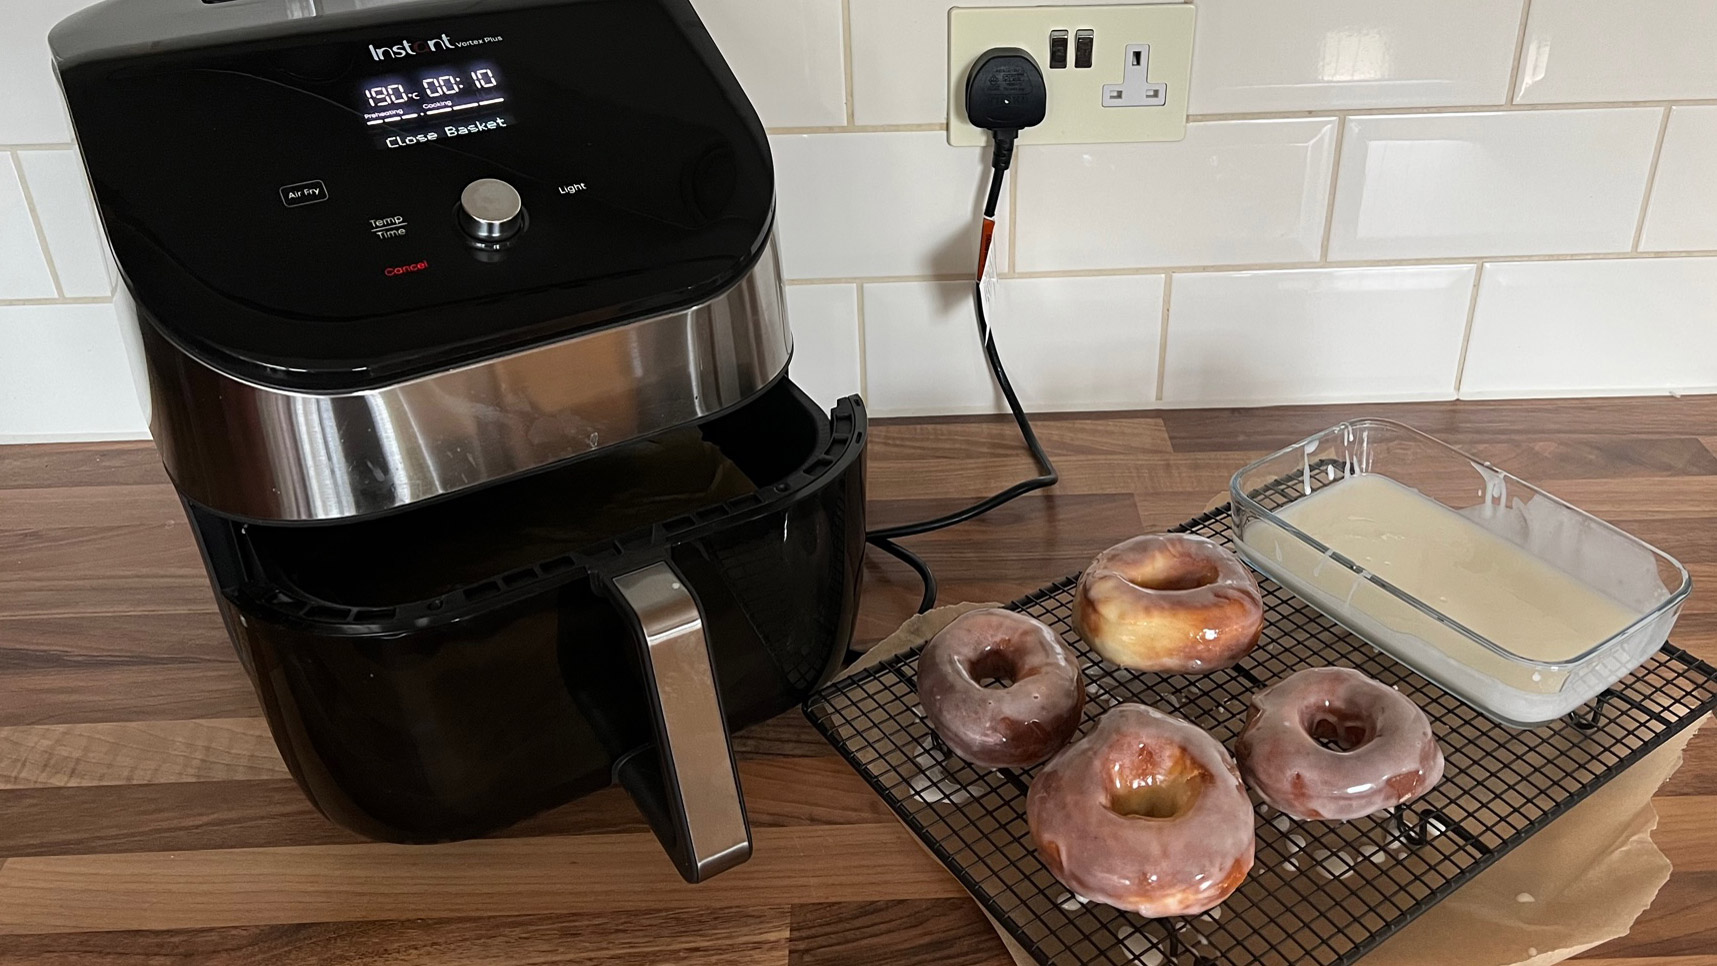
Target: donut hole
x,y
1155,800
1179,574
1338,730
1154,786
995,670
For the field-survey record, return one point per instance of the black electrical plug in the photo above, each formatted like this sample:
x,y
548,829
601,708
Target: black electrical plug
x,y
1005,93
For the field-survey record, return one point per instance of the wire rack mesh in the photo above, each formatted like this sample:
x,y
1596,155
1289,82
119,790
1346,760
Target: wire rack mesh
x,y
1319,893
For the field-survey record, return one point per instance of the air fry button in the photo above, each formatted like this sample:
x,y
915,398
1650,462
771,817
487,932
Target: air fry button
x,y
303,193
406,269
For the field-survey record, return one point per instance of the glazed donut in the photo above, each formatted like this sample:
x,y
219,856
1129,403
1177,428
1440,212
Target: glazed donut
x,y
1015,726
1146,813
1169,602
1387,753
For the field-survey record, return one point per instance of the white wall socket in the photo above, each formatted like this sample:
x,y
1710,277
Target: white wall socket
x,y
1135,88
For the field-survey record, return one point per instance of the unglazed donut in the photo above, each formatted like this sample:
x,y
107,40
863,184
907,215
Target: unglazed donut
x,y
1169,602
1387,754
1016,726
1146,813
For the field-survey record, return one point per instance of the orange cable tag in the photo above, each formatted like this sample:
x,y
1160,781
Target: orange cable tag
x,y
987,268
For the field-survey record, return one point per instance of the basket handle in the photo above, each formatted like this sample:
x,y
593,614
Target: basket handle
x,y
686,785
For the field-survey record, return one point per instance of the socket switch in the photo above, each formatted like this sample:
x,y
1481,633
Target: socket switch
x,y
1138,61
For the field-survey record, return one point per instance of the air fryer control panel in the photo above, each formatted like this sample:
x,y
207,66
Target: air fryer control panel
x,y
332,205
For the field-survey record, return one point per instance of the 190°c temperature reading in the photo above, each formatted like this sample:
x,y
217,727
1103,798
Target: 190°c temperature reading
x,y
435,86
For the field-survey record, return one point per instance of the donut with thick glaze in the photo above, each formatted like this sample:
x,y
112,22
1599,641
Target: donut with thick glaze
x,y
1385,753
1015,726
1169,602
1146,813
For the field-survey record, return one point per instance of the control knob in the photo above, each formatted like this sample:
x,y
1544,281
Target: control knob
x,y
490,211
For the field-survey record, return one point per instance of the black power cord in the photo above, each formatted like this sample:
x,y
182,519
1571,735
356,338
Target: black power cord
x,y
1005,92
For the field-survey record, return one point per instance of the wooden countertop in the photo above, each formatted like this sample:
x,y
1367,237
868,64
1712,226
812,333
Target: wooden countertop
x,y
146,817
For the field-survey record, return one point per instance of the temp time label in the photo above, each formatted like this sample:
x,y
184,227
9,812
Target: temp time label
x,y
393,226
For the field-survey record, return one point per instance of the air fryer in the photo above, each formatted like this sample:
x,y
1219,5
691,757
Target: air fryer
x,y
465,347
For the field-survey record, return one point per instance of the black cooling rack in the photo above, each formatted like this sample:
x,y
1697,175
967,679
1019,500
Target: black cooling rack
x,y
1319,893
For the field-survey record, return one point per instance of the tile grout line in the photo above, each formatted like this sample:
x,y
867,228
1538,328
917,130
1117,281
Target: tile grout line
x,y
858,129
1453,260
879,279
1432,109
1467,335
1406,110
36,222
46,146
70,300
1334,182
864,343
1519,50
847,56
1163,338
1414,262
1650,181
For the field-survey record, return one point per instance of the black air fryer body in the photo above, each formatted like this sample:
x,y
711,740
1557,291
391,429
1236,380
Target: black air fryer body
x,y
464,339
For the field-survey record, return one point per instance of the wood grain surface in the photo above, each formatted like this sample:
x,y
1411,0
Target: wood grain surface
x,y
146,818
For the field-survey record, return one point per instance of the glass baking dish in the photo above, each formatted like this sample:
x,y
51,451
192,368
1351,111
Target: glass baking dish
x,y
1615,597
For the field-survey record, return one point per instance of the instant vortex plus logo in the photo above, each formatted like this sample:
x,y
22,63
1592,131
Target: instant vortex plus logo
x,y
411,48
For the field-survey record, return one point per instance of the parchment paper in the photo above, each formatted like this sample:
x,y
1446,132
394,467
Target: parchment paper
x,y
1580,882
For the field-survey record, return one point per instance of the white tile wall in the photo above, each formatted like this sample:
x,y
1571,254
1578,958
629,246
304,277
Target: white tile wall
x,y
877,215
1323,55
1618,50
878,204
1233,192
57,183
900,57
1081,343
787,54
23,271
921,351
32,112
1683,213
826,349
1068,343
1594,326
64,375
1315,335
1497,183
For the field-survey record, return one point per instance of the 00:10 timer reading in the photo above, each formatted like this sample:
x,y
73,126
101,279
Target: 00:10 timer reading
x,y
443,85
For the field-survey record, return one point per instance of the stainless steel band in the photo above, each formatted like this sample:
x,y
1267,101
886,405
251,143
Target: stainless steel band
x,y
268,454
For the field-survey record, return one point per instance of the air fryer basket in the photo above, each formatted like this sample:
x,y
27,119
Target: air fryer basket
x,y
411,707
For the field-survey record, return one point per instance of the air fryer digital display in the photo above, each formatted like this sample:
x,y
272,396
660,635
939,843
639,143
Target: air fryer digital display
x,y
434,103
290,232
